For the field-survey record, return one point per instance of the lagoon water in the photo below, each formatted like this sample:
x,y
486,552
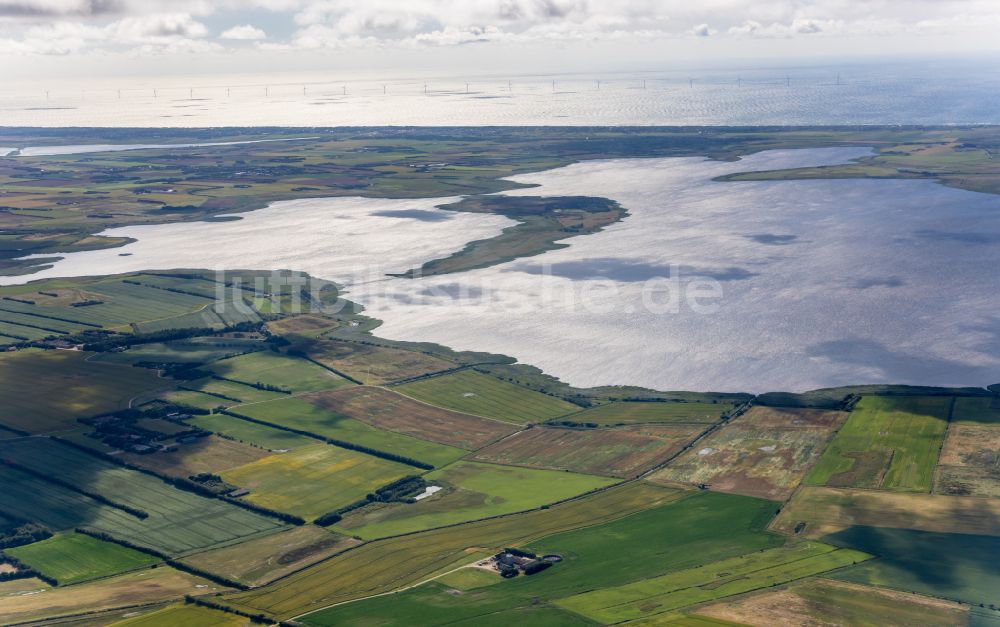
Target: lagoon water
x,y
819,283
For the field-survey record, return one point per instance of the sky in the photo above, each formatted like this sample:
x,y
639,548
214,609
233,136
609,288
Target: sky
x,y
73,38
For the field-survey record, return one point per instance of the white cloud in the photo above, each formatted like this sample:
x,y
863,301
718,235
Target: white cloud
x,y
170,32
30,25
245,32
702,30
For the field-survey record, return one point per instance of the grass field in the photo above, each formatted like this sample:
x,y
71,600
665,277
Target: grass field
x,y
712,581
178,521
887,442
472,491
138,588
977,410
384,565
765,452
482,395
288,373
386,409
608,452
261,560
313,480
956,566
194,399
186,615
205,455
304,414
64,387
701,528
250,433
469,578
641,412
232,393
829,602
373,365
970,461
817,512
72,557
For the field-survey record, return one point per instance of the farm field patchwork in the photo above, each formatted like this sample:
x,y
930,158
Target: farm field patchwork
x,y
889,442
370,364
765,452
138,588
689,532
816,512
177,521
313,480
828,602
383,408
610,452
64,387
287,373
72,558
472,490
712,581
631,412
383,565
304,414
483,395
970,461
261,560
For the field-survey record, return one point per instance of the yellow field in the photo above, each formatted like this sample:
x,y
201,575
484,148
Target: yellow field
x,y
313,480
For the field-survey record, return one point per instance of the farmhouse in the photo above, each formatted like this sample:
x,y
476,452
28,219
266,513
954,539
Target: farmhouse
x,y
513,562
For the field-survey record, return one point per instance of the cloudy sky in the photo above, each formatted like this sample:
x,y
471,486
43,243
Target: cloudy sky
x,y
190,36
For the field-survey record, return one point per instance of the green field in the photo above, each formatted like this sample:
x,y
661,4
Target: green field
x,y
887,442
298,413
257,435
178,521
313,480
73,557
977,410
644,412
957,566
480,394
63,387
231,393
193,350
287,373
186,615
693,531
472,490
712,581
